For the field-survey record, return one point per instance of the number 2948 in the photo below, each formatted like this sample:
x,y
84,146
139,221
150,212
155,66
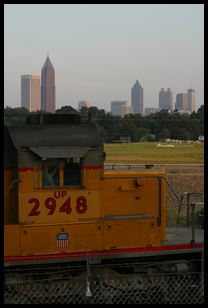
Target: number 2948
x,y
50,204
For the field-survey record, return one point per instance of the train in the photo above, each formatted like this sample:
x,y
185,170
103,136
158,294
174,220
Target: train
x,y
62,206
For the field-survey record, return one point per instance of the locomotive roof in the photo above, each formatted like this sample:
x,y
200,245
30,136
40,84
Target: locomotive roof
x,y
55,135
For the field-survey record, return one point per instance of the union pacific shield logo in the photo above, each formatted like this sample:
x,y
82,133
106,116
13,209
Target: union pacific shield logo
x,y
62,240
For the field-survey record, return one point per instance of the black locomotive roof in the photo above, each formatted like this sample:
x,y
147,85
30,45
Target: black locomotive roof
x,y
55,135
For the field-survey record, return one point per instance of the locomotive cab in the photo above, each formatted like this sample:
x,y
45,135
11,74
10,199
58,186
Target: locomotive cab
x,y
58,166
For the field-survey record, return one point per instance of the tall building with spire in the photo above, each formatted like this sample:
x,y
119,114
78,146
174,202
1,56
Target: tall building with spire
x,y
137,98
48,91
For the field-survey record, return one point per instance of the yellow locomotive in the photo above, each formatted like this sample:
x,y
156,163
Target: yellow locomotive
x,y
60,200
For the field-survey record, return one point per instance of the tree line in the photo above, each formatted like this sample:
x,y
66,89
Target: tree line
x,y
156,126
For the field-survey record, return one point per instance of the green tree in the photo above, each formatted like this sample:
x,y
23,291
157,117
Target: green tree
x,y
165,133
66,109
15,116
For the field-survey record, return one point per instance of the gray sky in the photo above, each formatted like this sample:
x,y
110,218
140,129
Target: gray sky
x,y
100,50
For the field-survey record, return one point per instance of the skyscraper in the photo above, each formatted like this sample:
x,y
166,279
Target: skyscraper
x,y
137,98
191,100
169,99
30,92
165,99
181,102
84,104
48,100
149,110
161,99
120,108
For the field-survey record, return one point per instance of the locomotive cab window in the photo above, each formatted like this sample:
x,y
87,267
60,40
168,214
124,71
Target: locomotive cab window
x,y
51,172
61,172
71,172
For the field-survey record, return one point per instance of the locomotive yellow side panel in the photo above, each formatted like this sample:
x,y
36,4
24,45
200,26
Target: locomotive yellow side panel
x,y
134,208
61,238
26,177
11,240
131,233
124,197
132,192
91,177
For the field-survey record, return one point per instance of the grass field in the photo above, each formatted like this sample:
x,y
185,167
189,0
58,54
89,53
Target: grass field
x,y
148,153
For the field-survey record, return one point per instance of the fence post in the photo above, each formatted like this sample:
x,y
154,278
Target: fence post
x,y
88,291
193,224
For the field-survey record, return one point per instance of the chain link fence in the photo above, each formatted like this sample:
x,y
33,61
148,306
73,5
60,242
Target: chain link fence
x,y
180,288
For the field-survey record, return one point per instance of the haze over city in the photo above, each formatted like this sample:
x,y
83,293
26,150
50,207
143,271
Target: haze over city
x,y
100,50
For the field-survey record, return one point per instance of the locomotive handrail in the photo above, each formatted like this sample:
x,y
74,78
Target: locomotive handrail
x,y
10,187
192,205
188,203
193,226
171,188
130,166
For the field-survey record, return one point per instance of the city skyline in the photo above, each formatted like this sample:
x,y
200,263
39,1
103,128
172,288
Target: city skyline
x,y
97,54
29,93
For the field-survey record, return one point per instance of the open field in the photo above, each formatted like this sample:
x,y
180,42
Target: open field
x,y
148,153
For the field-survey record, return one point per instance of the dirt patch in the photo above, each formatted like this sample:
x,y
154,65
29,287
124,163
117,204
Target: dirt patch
x,y
182,168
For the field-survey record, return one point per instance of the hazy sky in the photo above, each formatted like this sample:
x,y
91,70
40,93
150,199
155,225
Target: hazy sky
x,y
100,50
